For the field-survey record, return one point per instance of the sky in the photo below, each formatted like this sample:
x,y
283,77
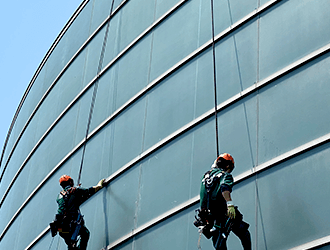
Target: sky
x,y
28,29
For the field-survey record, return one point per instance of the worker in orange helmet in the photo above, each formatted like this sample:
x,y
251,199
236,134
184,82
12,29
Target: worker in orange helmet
x,y
69,221
216,203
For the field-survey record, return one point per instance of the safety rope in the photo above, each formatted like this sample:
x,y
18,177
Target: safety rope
x,y
51,243
94,93
199,240
215,83
215,103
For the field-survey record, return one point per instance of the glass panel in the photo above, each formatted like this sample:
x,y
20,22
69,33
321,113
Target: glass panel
x,y
128,135
122,81
83,106
205,83
93,52
11,169
117,205
132,28
97,163
71,82
204,153
179,45
290,31
105,97
170,105
237,125
11,239
133,71
113,39
236,58
171,234
294,100
101,10
170,167
62,137
288,194
239,9
163,6
96,218
34,96
69,44
14,199
221,19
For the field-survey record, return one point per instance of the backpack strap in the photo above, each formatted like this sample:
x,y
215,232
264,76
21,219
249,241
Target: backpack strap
x,y
210,180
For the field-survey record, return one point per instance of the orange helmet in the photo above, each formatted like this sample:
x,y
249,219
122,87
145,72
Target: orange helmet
x,y
227,157
65,178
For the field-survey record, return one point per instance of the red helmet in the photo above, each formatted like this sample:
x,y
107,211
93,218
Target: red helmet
x,y
65,178
225,161
227,157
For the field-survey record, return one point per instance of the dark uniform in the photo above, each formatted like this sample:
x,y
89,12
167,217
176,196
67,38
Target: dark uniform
x,y
68,211
220,181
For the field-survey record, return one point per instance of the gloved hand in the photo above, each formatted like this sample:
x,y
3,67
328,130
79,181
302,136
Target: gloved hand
x,y
99,185
231,211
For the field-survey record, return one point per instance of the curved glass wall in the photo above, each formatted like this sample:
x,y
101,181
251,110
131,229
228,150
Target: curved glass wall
x,y
152,131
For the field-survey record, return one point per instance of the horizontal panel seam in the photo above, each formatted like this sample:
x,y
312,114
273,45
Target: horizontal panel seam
x,y
313,244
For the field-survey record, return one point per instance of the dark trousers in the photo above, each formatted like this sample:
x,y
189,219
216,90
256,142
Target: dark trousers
x,y
84,237
240,231
239,228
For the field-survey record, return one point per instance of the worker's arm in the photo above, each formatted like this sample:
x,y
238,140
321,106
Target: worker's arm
x,y
230,205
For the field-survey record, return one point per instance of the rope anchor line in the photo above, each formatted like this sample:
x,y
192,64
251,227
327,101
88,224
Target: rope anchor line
x,y
94,93
215,82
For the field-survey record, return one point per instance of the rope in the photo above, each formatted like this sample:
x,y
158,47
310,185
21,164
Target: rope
x,y
94,93
215,103
199,240
215,83
51,243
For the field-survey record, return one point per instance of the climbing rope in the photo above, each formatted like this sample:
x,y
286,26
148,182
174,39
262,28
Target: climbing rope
x,y
215,103
215,83
199,240
51,243
94,93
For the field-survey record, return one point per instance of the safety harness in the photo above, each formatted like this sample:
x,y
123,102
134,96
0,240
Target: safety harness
x,y
65,223
205,221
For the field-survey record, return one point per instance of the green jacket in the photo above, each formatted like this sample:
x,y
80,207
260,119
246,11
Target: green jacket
x,y
71,198
219,181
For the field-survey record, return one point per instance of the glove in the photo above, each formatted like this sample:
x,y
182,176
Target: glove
x,y
231,212
99,185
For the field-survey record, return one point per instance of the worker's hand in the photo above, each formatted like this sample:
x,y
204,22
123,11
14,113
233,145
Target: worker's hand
x,y
99,185
231,212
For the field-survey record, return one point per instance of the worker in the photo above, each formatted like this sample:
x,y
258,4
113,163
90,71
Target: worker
x,y
68,221
215,197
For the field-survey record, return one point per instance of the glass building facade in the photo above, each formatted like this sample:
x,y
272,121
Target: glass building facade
x,y
152,129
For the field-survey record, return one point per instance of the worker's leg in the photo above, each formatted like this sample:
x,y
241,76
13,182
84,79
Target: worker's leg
x,y
219,242
240,229
67,239
84,237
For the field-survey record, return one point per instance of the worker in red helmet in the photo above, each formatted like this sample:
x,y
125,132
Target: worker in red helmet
x,y
68,220
216,203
